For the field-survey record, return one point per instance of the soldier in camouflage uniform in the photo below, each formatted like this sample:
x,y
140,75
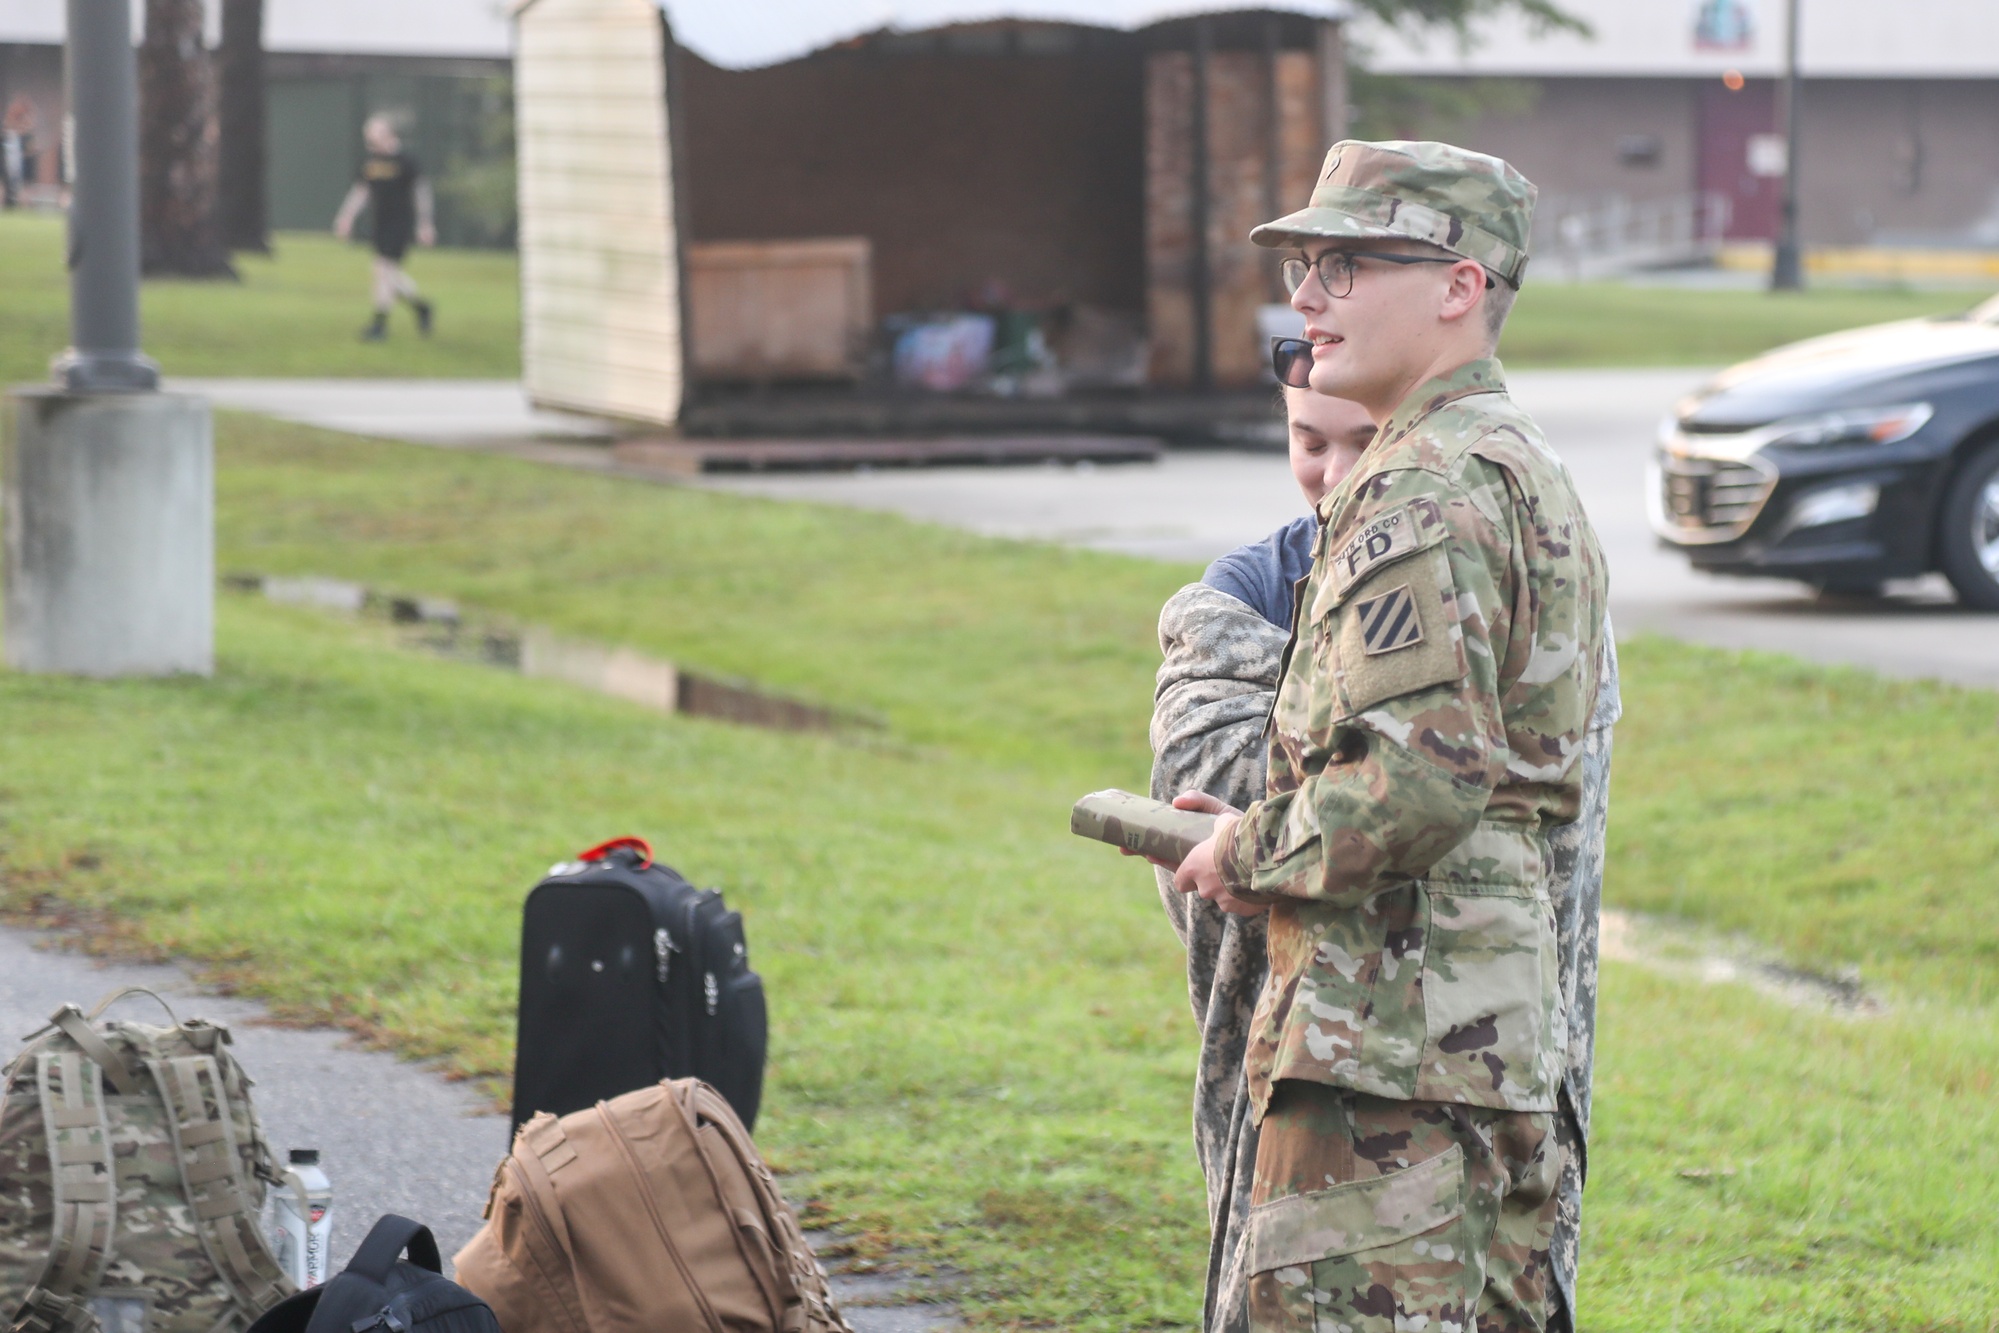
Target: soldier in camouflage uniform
x,y
1406,1056
1216,685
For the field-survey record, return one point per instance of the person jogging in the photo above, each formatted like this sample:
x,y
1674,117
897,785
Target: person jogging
x,y
395,190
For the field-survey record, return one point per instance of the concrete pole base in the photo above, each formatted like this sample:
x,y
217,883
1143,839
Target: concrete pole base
x,y
110,533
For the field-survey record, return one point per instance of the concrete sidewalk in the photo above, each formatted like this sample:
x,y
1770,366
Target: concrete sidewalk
x,y
463,412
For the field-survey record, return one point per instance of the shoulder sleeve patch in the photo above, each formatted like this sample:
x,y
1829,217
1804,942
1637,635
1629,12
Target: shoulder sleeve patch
x,y
1398,636
1402,531
1389,622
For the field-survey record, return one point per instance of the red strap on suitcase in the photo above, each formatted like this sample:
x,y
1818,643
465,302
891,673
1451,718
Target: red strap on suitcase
x,y
603,849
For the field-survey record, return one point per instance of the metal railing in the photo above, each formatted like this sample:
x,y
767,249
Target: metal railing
x,y
1580,239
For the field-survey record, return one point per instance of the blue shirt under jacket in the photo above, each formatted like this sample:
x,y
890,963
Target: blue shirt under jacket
x,y
1264,573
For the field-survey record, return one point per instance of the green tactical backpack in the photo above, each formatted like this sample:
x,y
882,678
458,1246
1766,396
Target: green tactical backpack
x,y
132,1179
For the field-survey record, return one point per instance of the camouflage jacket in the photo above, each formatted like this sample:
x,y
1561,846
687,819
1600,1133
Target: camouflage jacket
x,y
1427,734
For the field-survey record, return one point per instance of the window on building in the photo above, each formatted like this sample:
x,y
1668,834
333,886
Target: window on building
x,y
1639,150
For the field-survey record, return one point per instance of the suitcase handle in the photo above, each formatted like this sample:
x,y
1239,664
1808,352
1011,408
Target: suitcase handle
x,y
603,850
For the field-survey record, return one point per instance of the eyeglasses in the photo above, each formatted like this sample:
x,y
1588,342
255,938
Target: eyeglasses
x,y
1336,269
1291,362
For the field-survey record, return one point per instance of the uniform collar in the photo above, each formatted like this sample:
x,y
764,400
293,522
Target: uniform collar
x,y
1481,376
1485,375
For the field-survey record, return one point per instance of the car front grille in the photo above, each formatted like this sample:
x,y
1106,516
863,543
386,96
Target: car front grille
x,y
1703,500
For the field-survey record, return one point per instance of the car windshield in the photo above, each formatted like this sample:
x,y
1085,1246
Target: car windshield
x,y
1986,312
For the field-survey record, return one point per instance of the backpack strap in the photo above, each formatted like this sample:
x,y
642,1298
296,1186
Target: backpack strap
x,y
358,1299
809,1302
96,1010
70,1021
84,1190
541,1148
225,1219
376,1258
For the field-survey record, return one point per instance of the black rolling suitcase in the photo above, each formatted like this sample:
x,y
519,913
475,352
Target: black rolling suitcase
x,y
629,974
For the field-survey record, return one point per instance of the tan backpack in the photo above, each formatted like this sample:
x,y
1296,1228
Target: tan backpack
x,y
648,1212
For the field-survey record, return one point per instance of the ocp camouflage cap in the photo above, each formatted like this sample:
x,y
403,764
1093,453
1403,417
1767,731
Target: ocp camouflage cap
x,y
1468,203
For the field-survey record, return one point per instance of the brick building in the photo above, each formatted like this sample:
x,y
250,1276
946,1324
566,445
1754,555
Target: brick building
x,y
1899,118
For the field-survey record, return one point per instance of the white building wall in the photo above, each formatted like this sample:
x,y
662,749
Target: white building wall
x,y
600,266
1930,39
345,27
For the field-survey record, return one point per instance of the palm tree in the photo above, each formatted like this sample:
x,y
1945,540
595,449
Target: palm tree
x,y
245,216
179,230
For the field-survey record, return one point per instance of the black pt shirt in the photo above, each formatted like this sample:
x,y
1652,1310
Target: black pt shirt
x,y
391,181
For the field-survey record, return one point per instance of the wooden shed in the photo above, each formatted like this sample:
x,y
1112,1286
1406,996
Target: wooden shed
x,y
706,201
602,317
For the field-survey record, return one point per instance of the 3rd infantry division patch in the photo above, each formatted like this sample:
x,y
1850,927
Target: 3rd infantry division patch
x,y
1389,622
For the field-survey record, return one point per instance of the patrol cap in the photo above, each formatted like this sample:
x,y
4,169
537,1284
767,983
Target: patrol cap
x,y
1468,203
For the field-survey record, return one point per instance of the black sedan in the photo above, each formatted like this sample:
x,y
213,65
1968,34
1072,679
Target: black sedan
x,y
1844,461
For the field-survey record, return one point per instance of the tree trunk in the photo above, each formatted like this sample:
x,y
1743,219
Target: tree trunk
x,y
245,220
179,231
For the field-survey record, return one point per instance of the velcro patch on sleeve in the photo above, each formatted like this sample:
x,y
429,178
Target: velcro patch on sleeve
x,y
1384,540
1389,622
1397,639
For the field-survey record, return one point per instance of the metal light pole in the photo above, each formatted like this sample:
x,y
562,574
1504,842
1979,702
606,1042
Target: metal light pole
x,y
109,483
1787,271
102,80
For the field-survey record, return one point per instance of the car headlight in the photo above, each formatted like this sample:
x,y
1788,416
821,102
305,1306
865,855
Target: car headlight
x,y
1859,425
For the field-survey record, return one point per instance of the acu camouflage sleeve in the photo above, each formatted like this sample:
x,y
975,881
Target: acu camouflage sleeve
x,y
1390,749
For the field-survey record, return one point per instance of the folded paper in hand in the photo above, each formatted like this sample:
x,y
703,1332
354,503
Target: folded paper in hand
x,y
1140,824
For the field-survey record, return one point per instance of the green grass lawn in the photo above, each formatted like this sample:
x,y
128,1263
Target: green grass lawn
x,y
981,1048
1844,818
1612,324
296,313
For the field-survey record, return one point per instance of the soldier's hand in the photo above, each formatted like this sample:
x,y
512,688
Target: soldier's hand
x,y
1206,804
1188,800
1200,873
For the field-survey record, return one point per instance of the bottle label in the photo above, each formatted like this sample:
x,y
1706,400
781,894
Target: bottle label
x,y
317,1238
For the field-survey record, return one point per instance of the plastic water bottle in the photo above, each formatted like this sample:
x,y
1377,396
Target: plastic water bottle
x,y
303,1242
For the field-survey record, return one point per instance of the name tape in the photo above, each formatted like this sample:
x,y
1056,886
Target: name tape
x,y
1387,538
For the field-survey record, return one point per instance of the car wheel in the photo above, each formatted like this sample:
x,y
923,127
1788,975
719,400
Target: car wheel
x,y
1970,537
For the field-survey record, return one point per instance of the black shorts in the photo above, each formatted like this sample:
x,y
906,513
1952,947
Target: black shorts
x,y
392,245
